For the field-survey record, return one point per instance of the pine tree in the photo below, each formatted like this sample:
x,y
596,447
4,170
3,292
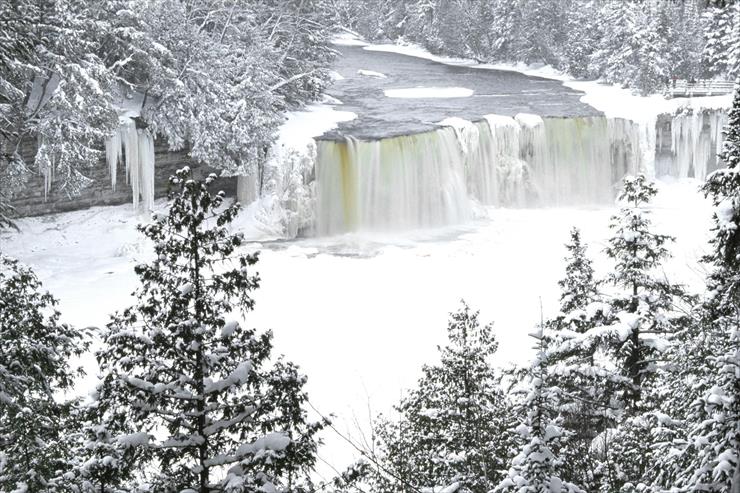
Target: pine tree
x,y
198,389
646,315
453,427
536,468
34,368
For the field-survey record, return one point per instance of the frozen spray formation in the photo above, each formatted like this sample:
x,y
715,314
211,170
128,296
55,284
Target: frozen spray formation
x,y
435,178
134,148
688,143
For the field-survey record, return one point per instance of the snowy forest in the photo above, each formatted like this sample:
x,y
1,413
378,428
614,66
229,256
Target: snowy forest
x,y
626,377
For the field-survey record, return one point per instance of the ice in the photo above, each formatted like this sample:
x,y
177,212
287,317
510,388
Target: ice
x,y
371,73
136,148
284,204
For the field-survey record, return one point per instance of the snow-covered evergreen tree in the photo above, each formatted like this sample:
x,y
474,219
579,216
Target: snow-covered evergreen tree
x,y
35,367
198,388
644,303
647,313
453,428
713,443
536,469
585,401
722,34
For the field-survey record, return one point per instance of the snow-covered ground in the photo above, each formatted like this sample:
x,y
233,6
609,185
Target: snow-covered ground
x,y
362,313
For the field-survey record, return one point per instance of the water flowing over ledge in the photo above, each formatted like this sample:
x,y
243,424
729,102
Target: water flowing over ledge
x,y
437,178
444,176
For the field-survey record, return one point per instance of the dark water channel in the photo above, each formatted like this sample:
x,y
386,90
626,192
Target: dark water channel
x,y
495,91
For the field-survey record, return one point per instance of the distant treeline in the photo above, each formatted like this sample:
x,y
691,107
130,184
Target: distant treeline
x,y
641,44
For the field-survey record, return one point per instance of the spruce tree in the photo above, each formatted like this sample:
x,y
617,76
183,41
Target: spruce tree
x,y
647,312
198,388
35,368
536,469
453,427
585,400
643,303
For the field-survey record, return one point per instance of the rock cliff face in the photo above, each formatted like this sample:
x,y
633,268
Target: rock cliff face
x,y
31,200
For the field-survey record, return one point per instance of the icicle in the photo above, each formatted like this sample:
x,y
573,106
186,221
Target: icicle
x,y
696,139
131,151
113,156
137,148
146,169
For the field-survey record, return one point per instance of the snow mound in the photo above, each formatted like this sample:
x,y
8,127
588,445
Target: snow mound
x,y
429,92
371,73
529,120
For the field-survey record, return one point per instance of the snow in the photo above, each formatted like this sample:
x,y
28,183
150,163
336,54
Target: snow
x,y
236,377
371,73
725,212
335,326
276,441
289,162
429,92
347,39
529,120
134,439
229,328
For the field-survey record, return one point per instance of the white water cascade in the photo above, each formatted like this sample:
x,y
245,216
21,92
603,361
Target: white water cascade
x,y
134,147
403,182
434,178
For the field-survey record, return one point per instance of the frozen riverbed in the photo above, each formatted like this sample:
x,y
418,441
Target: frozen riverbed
x,y
362,313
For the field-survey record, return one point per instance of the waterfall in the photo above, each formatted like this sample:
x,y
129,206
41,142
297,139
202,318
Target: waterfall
x,y
402,182
434,178
135,148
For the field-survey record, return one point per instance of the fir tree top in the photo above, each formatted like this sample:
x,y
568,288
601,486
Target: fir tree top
x,y
578,288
